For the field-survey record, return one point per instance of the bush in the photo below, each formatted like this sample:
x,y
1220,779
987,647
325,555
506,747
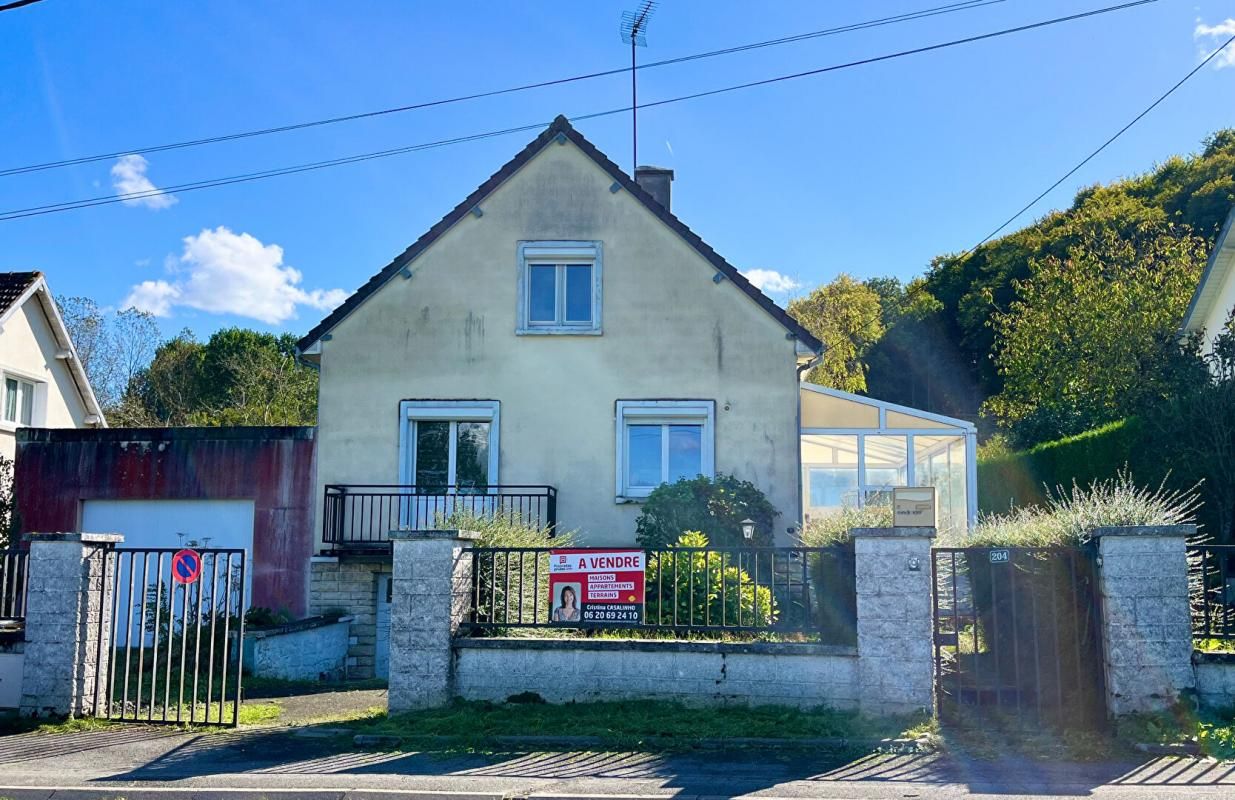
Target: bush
x,y
714,507
709,590
829,529
1068,517
501,531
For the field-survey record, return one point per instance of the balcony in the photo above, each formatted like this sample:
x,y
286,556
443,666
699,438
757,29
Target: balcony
x,y
361,516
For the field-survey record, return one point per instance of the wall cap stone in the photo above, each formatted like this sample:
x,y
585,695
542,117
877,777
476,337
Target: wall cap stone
x,y
408,535
1145,530
925,532
1202,657
296,627
68,536
657,646
323,559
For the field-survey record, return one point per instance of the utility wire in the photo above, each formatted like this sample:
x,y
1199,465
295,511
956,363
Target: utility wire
x,y
253,176
17,4
856,26
1102,147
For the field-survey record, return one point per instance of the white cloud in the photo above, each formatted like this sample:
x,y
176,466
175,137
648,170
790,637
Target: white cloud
x,y
771,281
128,176
1213,33
228,273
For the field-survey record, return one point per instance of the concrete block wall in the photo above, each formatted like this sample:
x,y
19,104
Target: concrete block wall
x,y
350,585
895,633
312,651
1215,680
695,673
1147,628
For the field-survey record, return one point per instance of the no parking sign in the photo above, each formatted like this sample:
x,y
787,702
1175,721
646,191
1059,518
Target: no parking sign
x,y
186,566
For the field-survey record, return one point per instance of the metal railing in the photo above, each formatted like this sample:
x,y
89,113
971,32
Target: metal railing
x,y
1211,584
14,584
364,514
800,593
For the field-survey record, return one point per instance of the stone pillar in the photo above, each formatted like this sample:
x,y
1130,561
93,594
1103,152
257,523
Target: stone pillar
x,y
895,667
430,596
68,623
1146,622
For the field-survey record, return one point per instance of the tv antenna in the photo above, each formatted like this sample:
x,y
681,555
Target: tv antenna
x,y
634,32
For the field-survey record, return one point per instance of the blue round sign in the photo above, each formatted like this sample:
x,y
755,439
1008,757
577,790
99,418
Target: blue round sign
x,y
186,566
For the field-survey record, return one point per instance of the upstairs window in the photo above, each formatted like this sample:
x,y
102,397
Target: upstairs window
x,y
559,287
18,401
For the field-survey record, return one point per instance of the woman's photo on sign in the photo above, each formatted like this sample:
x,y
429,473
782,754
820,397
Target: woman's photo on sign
x,y
566,603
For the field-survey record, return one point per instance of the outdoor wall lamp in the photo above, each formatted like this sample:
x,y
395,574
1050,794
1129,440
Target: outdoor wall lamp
x,y
748,529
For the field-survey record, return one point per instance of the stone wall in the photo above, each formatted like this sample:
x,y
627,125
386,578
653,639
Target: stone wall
x,y
311,650
1146,627
350,585
1215,680
696,673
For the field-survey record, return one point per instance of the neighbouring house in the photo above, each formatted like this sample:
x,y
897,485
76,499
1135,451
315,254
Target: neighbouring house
x,y
42,382
1214,300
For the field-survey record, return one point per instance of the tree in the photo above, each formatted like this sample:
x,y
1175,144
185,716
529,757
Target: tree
x,y
845,316
1089,338
238,377
113,346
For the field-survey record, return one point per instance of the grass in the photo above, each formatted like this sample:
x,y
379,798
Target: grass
x,y
251,714
1215,645
631,725
1212,731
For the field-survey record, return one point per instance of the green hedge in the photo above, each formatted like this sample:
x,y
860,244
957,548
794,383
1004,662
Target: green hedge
x,y
1021,478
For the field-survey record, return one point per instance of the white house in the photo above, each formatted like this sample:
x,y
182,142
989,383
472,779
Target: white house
x,y
1214,299
42,383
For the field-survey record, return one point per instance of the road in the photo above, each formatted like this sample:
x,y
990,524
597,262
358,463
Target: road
x,y
136,763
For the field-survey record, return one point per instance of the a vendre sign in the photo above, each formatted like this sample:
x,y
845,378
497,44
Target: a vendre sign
x,y
588,586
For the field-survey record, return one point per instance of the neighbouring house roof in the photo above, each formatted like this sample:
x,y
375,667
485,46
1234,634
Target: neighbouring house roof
x,y
16,288
1218,270
560,127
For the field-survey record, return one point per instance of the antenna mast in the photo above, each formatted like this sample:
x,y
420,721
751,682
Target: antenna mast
x,y
634,32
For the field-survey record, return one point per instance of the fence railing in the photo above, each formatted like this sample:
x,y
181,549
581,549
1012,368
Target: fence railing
x,y
1211,583
802,593
363,515
14,583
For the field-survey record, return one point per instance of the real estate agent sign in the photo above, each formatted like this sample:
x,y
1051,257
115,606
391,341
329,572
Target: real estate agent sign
x,y
596,586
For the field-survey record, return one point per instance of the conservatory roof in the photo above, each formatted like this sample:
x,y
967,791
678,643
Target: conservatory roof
x,y
832,410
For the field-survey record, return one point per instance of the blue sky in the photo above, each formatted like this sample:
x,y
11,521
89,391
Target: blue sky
x,y
870,171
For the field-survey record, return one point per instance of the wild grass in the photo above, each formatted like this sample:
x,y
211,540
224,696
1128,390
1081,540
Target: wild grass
x,y
505,531
832,529
1069,516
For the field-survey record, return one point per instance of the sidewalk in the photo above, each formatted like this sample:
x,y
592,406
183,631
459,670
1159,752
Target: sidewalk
x,y
135,762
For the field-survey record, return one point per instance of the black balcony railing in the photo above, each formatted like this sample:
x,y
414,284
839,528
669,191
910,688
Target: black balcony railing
x,y
363,515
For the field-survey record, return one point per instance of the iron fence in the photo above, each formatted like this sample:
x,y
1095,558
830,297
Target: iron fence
x,y
1211,584
363,515
804,593
14,583
172,651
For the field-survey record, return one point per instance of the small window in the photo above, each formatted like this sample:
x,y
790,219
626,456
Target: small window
x,y
559,287
662,441
18,401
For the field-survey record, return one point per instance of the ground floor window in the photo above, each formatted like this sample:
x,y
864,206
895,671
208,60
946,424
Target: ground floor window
x,y
662,441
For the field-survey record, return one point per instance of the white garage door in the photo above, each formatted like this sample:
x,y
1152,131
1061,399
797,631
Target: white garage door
x,y
174,523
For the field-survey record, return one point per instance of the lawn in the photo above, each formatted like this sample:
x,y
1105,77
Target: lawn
x,y
638,725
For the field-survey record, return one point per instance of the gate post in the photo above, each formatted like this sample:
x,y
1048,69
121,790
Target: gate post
x,y
68,623
430,595
895,666
1146,621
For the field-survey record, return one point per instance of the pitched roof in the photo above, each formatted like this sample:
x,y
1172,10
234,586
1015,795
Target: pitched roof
x,y
13,285
560,127
1218,269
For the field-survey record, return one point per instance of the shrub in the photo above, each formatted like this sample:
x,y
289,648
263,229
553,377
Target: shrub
x,y
829,529
1068,517
714,507
709,589
504,531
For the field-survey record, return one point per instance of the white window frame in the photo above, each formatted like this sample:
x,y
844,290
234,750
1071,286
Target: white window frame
x,y
37,391
560,254
663,412
413,411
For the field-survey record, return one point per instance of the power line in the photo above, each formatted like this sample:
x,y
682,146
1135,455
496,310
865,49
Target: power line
x,y
17,4
856,26
253,176
1102,147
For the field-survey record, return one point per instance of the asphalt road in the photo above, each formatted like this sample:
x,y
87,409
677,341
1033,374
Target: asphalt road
x,y
136,763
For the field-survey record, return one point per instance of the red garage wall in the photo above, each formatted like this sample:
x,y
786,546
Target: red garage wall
x,y
272,466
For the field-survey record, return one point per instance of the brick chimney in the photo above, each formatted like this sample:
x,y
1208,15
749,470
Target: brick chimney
x,y
656,181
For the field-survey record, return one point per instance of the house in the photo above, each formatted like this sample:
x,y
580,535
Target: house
x,y
1214,300
42,382
558,345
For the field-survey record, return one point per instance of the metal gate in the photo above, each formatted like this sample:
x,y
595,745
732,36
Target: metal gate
x,y
1018,637
172,650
